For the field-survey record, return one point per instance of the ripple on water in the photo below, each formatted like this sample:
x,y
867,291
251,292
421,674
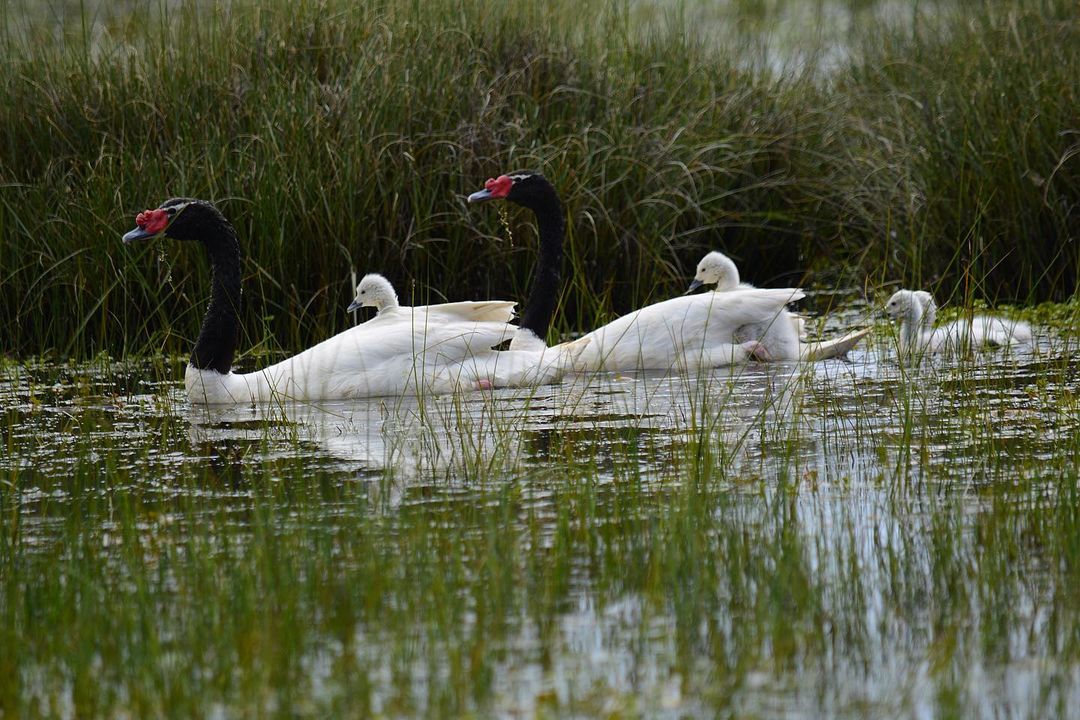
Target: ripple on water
x,y
838,470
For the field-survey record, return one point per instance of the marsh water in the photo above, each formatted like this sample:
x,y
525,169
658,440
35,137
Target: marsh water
x,y
839,538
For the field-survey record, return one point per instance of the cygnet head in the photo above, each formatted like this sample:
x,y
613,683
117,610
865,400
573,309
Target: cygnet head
x,y
717,269
914,306
374,291
903,305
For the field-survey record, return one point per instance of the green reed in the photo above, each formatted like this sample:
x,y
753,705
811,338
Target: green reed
x,y
340,137
151,564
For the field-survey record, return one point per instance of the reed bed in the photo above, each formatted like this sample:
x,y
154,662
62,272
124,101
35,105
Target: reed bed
x,y
840,540
342,137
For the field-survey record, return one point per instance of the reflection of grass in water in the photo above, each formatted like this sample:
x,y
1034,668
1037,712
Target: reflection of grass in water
x,y
743,555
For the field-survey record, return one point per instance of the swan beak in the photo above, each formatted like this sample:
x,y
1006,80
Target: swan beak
x,y
353,306
481,196
693,286
138,234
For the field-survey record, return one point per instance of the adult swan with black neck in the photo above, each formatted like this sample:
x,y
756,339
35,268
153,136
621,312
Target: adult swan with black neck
x,y
378,357
679,334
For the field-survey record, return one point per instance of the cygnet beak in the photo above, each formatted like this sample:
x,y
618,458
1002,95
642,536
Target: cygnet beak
x,y
693,286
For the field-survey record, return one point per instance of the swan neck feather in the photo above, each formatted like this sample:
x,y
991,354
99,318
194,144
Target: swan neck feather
x,y
220,332
544,294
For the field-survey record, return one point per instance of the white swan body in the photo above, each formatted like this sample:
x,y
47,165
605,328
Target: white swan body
x,y
684,333
384,356
916,312
781,336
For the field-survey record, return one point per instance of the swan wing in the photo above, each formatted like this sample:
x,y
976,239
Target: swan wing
x,y
469,311
683,332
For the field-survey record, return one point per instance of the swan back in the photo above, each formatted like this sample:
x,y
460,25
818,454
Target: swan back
x,y
685,332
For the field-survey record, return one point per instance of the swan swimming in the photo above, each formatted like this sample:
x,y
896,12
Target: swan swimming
x,y
916,312
681,333
379,357
780,336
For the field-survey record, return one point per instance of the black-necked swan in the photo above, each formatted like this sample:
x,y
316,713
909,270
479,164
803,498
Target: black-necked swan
x,y
782,336
916,312
505,368
681,333
533,191
368,360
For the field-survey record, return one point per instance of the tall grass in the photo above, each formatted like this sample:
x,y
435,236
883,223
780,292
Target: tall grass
x,y
342,136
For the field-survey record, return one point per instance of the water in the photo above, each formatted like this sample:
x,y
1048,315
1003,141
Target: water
x,y
840,538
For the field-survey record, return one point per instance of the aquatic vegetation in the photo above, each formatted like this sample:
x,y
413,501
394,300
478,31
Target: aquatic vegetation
x,y
831,538
354,131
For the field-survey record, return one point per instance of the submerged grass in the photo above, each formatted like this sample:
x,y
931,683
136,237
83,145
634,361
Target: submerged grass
x,y
835,541
343,137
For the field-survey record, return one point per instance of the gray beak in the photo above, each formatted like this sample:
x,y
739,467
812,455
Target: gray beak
x,y
693,286
353,306
481,196
137,234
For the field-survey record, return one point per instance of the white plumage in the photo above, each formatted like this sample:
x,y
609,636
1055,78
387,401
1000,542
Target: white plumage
x,y
916,312
384,356
781,335
684,333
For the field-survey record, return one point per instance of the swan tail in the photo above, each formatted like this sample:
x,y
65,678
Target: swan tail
x,y
835,348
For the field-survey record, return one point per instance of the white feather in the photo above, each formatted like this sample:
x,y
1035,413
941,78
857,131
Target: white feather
x,y
916,312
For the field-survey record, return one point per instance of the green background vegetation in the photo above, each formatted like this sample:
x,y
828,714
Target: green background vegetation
x,y
340,135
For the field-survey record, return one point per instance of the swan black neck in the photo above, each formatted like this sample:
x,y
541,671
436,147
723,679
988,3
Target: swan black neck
x,y
544,294
220,332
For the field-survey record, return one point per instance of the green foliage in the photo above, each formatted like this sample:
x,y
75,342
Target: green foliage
x,y
836,541
343,136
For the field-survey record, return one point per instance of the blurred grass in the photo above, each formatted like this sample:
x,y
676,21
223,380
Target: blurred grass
x,y
342,136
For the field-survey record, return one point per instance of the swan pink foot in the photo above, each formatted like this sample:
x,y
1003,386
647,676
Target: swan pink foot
x,y
484,384
758,351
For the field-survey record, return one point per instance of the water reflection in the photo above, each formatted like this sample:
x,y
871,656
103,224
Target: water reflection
x,y
775,540
589,417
